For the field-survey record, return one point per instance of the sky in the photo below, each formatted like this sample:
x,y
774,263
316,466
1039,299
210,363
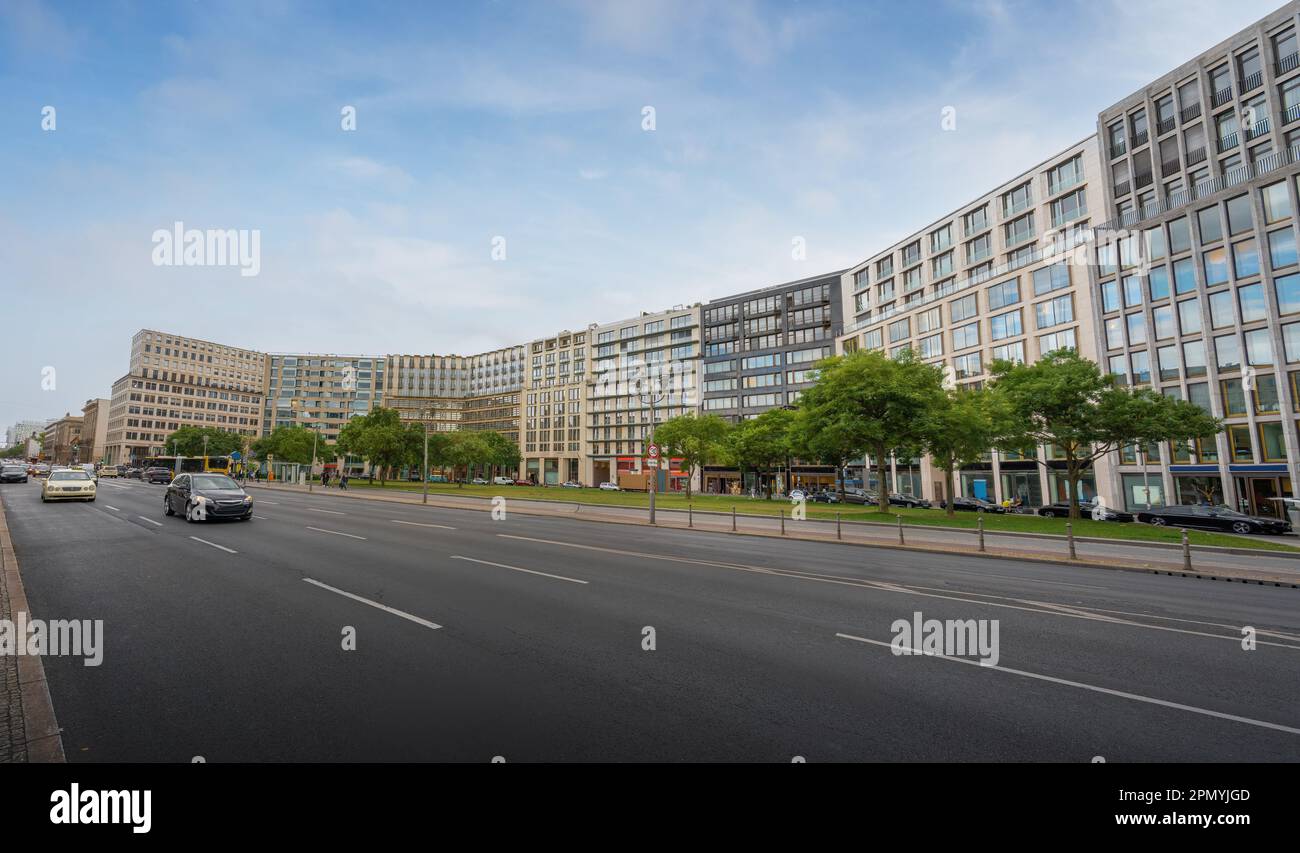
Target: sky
x,y
503,180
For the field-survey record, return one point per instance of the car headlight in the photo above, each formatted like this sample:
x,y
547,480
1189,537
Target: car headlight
x,y
199,499
248,499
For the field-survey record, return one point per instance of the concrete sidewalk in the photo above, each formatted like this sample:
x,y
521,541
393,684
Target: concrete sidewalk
x,y
1246,565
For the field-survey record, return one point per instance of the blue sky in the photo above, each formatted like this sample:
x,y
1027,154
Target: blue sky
x,y
514,119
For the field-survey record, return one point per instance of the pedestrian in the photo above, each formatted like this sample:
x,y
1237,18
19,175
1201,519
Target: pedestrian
x,y
343,481
325,479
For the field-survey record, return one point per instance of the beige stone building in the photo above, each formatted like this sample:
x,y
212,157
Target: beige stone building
x,y
63,443
551,443
174,381
1005,276
94,429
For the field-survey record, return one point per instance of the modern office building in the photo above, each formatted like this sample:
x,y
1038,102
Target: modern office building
x,y
94,430
320,391
640,369
175,381
63,442
1197,275
1006,276
551,444
759,348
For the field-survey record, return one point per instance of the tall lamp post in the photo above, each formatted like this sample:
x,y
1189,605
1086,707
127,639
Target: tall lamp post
x,y
426,415
296,405
651,394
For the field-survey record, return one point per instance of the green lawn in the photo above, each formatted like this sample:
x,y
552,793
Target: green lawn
x,y
745,506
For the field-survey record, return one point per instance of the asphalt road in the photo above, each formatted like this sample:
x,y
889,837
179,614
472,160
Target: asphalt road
x,y
229,645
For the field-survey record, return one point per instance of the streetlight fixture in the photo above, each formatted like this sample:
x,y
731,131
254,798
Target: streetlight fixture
x,y
296,405
426,416
651,394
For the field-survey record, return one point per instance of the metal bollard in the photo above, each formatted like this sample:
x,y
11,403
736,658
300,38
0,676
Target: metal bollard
x,y
900,530
733,519
838,533
1069,537
1187,552
981,529
690,515
782,522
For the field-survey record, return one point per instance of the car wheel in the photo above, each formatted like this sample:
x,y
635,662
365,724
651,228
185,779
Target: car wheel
x,y
189,511
167,506
1159,520
1243,527
1047,513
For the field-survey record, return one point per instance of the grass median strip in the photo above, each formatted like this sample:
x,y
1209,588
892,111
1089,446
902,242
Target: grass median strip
x,y
853,513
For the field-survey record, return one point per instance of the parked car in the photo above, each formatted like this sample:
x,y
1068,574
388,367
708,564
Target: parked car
x,y
13,474
503,481
207,497
1061,509
972,505
825,498
798,495
572,484
860,496
438,478
522,482
610,487
1212,518
909,501
157,475
68,485
478,481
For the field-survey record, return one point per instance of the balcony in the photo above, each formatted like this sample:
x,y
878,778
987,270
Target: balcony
x,y
973,228
1291,114
1196,155
1013,209
1169,167
1141,179
1122,188
1252,81
1258,129
1165,125
1118,148
1221,97
1190,113
1227,143
1287,63
1140,138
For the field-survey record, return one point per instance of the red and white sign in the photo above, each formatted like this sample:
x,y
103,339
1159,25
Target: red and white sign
x,y
654,451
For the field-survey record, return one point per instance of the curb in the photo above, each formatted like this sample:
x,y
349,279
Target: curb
x,y
44,738
1219,575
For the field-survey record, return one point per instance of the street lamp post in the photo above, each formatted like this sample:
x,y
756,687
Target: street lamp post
x,y
424,472
651,395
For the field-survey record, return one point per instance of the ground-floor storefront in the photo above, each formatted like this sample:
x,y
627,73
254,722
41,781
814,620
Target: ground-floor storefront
x,y
719,480
551,470
633,474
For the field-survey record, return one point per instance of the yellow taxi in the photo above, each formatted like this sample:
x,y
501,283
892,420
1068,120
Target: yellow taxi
x,y
69,484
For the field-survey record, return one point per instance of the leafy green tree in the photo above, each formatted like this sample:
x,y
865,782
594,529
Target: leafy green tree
x,y
959,429
1064,400
503,454
696,440
289,444
466,450
188,441
761,444
871,402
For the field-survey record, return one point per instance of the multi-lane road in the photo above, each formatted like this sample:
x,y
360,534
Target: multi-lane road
x,y
539,638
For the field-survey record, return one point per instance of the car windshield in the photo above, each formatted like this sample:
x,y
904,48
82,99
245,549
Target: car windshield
x,y
14,468
215,482
69,475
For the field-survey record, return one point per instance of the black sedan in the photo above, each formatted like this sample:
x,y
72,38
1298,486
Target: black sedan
x,y
1061,509
13,474
824,498
207,497
1212,518
157,475
909,501
972,505
859,496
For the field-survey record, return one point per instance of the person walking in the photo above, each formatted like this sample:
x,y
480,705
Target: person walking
x,y
343,481
324,479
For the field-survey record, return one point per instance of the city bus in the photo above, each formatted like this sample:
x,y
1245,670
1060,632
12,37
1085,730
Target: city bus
x,y
190,464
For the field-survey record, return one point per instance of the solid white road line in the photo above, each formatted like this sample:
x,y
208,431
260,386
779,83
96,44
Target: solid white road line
x,y
1108,691
264,518
335,533
150,520
422,524
517,569
215,545
416,619
265,501
330,511
113,508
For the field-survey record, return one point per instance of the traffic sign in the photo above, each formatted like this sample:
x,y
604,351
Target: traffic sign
x,y
654,451
235,455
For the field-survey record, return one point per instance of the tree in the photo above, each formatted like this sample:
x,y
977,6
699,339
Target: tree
x,y
761,443
465,450
960,428
1064,401
288,444
696,440
503,454
188,441
868,401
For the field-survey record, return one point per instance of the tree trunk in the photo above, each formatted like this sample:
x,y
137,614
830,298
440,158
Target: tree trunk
x,y
1072,481
882,496
948,480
